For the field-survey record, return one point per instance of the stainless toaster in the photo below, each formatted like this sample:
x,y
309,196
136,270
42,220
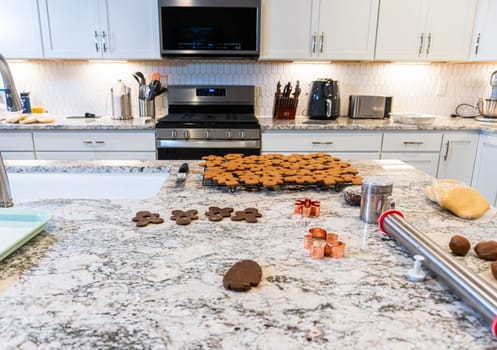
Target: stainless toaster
x,y
369,107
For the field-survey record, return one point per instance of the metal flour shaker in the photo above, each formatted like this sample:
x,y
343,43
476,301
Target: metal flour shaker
x,y
376,198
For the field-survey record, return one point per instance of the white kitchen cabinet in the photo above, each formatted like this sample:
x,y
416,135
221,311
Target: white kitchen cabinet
x,y
318,29
484,47
432,30
458,156
485,173
419,149
16,145
70,145
347,145
117,29
20,32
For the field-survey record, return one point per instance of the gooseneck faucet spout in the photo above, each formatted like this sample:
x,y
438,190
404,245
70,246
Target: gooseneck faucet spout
x,y
11,95
5,195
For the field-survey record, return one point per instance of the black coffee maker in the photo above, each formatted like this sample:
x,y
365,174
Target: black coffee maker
x,y
324,100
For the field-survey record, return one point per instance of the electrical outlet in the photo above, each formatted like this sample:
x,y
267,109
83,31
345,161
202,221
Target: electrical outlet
x,y
441,88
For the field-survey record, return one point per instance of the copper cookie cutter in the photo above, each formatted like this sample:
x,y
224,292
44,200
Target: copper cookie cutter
x,y
321,243
307,207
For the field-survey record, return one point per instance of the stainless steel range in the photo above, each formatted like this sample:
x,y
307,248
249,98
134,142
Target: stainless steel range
x,y
205,120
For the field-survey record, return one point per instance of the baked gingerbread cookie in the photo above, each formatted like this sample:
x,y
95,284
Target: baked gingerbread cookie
x,y
242,276
184,217
144,217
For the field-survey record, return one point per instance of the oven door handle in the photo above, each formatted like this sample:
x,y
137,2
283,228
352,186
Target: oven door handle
x,y
208,144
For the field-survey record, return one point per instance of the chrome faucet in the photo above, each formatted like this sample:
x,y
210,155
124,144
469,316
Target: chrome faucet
x,y
11,95
5,195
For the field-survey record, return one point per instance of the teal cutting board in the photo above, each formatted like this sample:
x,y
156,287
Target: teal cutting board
x,y
17,226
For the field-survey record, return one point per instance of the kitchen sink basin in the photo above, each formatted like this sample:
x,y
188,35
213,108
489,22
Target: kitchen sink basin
x,y
33,186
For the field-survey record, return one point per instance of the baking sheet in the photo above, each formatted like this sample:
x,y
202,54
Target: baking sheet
x,y
18,226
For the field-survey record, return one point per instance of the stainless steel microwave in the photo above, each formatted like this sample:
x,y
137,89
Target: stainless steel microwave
x,y
210,28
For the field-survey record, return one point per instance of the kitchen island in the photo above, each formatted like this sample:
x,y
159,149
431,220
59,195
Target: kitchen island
x,y
95,280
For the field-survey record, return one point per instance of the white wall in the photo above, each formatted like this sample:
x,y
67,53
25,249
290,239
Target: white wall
x,y
75,87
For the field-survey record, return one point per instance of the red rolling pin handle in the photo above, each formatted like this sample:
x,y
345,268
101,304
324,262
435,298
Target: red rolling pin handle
x,y
384,215
494,327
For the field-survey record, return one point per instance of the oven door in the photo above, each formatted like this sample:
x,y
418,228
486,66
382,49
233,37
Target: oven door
x,y
196,149
227,28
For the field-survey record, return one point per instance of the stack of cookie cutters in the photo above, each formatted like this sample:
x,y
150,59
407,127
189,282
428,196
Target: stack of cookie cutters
x,y
321,243
307,207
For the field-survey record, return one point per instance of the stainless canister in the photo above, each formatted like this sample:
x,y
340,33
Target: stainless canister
x,y
121,104
376,198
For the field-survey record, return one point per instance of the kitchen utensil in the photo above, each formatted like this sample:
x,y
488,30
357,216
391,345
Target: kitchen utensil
x,y
121,101
376,197
488,107
324,100
87,115
153,89
182,172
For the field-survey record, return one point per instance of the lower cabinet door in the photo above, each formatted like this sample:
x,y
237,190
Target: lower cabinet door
x,y
485,173
426,162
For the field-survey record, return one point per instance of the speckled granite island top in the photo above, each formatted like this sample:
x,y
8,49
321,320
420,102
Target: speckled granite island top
x,y
95,280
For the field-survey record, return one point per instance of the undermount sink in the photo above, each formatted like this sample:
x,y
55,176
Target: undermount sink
x,y
34,186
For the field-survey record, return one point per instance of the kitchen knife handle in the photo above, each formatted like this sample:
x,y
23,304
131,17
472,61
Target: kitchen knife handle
x,y
321,42
477,46
428,44
413,142
314,40
421,39
96,42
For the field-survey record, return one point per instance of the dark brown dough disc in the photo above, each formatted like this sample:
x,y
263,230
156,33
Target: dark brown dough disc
x,y
242,276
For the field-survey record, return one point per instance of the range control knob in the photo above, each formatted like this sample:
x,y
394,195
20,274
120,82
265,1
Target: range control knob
x,y
174,134
229,134
186,134
242,134
207,134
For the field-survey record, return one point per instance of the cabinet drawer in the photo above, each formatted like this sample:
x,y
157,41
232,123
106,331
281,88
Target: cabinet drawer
x,y
412,142
16,141
320,142
94,141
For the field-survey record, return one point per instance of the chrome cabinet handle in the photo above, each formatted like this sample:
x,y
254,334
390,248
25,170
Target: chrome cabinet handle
x,y
104,40
413,142
87,142
421,39
428,44
321,42
477,46
446,150
314,40
99,142
322,142
97,48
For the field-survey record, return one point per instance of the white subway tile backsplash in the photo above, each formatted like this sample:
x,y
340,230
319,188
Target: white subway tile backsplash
x,y
75,87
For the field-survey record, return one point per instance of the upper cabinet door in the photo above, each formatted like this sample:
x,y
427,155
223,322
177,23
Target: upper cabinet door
x,y
125,29
484,38
20,33
400,34
70,28
130,29
287,29
449,29
348,29
429,30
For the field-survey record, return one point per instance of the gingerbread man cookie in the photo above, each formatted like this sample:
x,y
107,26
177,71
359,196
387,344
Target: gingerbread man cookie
x,y
144,217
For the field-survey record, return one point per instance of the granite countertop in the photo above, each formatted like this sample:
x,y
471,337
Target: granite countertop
x,y
102,123
346,123
95,280
267,124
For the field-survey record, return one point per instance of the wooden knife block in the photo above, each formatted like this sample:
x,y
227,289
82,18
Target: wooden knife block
x,y
285,107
